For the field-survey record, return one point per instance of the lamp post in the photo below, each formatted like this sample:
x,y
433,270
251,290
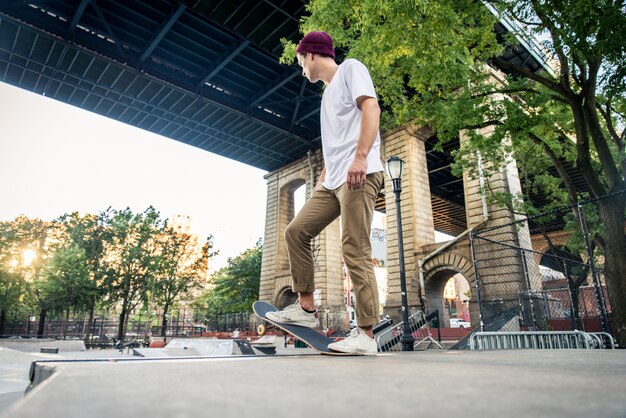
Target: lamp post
x,y
327,309
394,168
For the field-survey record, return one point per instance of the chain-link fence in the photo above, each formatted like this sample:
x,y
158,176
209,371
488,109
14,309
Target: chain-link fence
x,y
543,272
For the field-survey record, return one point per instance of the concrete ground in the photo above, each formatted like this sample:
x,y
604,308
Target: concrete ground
x,y
435,383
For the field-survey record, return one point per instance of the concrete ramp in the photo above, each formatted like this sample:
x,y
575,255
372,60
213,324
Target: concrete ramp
x,y
34,346
197,347
14,379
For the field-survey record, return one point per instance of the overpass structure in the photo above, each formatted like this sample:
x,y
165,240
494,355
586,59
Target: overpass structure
x,y
206,73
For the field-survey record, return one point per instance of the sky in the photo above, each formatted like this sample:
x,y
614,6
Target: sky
x,y
57,159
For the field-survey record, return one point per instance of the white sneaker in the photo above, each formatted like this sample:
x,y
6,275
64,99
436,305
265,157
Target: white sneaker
x,y
357,343
293,315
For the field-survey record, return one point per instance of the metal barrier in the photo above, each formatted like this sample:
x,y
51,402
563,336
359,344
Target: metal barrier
x,y
536,340
606,339
389,340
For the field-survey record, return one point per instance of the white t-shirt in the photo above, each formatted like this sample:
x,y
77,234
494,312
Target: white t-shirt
x,y
341,122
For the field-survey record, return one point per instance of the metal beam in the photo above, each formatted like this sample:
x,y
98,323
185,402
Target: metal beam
x,y
298,102
161,33
228,57
309,112
443,167
289,16
275,85
108,29
447,200
77,16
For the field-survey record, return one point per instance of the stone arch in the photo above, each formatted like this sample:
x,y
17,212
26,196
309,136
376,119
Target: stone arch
x,y
286,296
437,272
283,293
286,212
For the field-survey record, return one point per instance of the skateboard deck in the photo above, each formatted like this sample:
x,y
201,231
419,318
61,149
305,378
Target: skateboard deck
x,y
314,339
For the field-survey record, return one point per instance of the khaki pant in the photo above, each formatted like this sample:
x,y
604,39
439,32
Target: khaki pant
x,y
356,208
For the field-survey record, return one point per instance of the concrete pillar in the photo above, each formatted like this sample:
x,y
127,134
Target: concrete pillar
x,y
408,143
503,268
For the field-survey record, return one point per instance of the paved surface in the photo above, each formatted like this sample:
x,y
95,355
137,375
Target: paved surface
x,y
515,383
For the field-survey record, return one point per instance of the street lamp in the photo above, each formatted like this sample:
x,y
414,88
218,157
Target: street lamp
x,y
394,169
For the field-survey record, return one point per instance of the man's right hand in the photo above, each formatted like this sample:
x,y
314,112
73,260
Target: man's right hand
x,y
320,180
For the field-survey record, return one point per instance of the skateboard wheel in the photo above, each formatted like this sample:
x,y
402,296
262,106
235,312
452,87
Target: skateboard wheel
x,y
261,329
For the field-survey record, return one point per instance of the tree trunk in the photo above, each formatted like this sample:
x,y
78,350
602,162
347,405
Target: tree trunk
x,y
164,322
126,322
42,322
90,323
65,323
612,215
575,295
3,320
120,327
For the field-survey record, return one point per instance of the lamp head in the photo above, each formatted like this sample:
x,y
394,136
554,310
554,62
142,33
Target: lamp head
x,y
394,167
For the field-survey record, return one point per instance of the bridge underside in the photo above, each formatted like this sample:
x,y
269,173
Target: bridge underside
x,y
206,75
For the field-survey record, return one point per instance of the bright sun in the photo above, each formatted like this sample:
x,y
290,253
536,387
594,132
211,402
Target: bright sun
x,y
28,256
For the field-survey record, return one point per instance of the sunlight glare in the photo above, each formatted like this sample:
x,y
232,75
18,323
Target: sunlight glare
x,y
29,256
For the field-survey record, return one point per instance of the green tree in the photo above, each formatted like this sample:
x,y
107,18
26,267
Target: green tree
x,y
12,288
131,258
182,268
24,252
12,283
428,59
209,304
67,287
234,287
85,235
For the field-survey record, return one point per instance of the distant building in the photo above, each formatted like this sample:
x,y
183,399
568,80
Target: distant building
x,y
181,223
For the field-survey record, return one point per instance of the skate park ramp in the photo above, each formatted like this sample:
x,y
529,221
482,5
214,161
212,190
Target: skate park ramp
x,y
198,347
14,366
512,383
35,345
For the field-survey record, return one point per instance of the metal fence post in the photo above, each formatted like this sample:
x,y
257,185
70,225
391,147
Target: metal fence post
x,y
477,277
528,289
596,283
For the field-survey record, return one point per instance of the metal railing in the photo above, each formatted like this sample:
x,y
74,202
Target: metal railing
x,y
389,340
606,339
546,340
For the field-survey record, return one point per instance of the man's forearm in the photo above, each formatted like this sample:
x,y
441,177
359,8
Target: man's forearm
x,y
370,122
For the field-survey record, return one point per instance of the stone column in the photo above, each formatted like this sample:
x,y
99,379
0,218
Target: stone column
x,y
408,143
504,269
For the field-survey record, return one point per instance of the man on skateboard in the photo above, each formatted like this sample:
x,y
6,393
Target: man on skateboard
x,y
347,187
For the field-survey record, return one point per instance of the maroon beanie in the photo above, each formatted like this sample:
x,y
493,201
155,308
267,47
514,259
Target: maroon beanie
x,y
316,43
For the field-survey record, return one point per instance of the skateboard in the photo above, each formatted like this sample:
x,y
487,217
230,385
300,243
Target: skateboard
x,y
311,337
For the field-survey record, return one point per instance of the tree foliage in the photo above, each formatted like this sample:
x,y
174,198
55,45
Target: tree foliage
x,y
235,287
24,252
132,259
116,259
182,268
